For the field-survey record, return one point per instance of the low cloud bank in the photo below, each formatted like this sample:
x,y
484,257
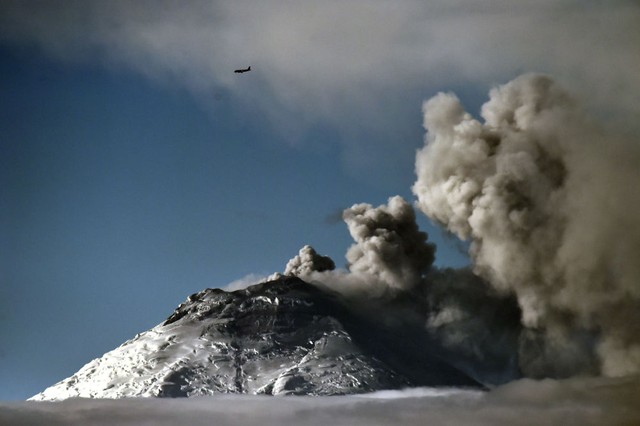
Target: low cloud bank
x,y
525,402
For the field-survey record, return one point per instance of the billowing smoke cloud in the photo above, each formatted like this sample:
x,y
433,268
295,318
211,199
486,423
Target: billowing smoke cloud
x,y
388,244
390,278
478,329
308,261
550,203
389,254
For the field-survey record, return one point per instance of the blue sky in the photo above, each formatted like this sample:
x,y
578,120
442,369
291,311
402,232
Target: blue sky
x,y
122,197
136,168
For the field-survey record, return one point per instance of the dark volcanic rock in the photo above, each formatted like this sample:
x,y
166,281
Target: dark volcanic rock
x,y
281,337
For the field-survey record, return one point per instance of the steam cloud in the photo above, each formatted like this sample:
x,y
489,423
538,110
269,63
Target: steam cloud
x,y
550,203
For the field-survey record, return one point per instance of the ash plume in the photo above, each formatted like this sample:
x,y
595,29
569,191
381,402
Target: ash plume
x,y
308,261
388,244
478,329
389,254
550,203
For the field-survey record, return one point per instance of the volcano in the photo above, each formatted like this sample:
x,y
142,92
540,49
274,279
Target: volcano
x,y
281,337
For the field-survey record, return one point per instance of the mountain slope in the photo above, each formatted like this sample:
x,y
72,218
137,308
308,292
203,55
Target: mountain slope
x,y
281,337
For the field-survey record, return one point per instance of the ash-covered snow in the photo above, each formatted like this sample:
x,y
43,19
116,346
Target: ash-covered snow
x,y
277,338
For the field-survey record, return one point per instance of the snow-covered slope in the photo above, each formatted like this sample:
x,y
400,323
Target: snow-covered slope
x,y
280,337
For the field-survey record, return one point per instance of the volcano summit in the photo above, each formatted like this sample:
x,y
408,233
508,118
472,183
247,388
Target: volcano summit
x,y
280,337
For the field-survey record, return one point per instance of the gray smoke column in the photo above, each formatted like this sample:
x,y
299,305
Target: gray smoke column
x,y
389,253
388,244
551,204
308,261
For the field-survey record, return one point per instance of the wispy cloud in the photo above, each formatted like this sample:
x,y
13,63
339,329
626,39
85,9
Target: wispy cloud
x,y
362,66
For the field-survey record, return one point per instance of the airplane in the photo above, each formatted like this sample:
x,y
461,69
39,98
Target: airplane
x,y
240,71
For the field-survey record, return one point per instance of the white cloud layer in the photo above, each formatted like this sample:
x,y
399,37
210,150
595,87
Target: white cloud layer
x,y
361,65
525,402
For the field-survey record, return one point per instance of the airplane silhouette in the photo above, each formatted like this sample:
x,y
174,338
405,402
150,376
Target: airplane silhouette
x,y
240,71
